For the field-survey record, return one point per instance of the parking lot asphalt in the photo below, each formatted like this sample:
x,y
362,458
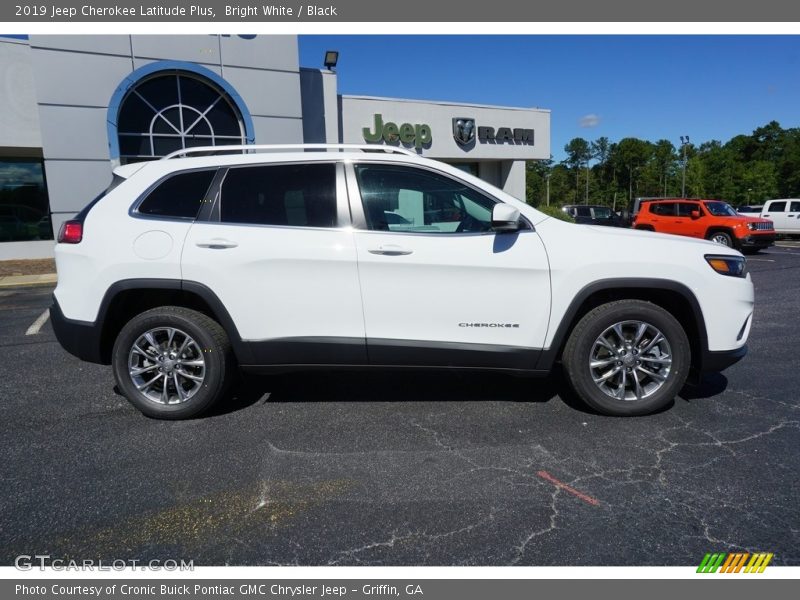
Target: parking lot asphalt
x,y
403,469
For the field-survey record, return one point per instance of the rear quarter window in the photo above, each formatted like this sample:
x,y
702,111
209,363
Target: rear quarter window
x,y
667,209
179,196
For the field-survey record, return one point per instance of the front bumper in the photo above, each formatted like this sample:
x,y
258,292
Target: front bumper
x,y
714,362
79,338
757,241
720,360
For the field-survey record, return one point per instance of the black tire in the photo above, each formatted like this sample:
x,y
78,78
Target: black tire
x,y
210,340
582,343
722,238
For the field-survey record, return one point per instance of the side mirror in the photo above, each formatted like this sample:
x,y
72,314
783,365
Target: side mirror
x,y
505,218
695,214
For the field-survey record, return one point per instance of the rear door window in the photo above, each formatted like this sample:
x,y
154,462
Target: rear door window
x,y
777,207
296,195
685,209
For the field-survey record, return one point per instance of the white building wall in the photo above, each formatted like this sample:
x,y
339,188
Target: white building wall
x,y
19,117
73,78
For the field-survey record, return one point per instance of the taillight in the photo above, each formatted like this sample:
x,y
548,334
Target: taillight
x,y
71,232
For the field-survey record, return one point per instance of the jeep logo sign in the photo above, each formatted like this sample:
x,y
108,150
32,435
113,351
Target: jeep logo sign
x,y
418,135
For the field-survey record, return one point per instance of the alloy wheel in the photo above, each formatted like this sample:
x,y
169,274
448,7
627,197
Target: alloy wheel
x,y
166,365
631,360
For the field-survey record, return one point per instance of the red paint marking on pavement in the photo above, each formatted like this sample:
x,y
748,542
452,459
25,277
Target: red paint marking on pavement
x,y
560,484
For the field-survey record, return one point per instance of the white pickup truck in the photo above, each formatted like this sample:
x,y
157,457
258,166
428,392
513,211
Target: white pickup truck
x,y
784,213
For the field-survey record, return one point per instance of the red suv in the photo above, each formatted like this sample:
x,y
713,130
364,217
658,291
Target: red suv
x,y
708,219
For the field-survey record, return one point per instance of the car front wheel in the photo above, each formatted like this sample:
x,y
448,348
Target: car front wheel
x,y
720,237
626,358
172,362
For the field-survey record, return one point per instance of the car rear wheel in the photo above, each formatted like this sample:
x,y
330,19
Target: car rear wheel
x,y
172,362
720,237
626,358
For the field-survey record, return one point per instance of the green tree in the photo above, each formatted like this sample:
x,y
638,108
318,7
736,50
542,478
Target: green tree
x,y
578,154
632,154
664,157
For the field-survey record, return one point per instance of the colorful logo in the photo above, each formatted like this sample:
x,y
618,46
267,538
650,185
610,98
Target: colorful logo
x,y
733,562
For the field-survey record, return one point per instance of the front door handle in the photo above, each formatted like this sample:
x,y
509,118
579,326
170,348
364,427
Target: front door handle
x,y
216,244
390,250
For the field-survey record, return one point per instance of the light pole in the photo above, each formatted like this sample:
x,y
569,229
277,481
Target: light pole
x,y
547,179
586,196
684,143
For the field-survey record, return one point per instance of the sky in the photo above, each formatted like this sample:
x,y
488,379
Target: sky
x,y
709,87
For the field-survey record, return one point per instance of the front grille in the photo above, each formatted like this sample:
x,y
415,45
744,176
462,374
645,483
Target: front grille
x,y
764,226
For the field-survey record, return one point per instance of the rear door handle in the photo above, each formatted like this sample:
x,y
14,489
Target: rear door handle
x,y
390,250
216,244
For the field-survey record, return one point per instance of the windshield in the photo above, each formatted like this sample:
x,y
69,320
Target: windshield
x,y
720,209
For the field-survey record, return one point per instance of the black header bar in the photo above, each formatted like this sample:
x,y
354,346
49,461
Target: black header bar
x,y
342,11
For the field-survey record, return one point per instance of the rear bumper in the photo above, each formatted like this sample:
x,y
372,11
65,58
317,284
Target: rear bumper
x,y
721,360
79,338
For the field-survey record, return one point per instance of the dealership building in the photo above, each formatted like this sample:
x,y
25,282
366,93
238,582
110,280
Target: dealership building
x,y
74,107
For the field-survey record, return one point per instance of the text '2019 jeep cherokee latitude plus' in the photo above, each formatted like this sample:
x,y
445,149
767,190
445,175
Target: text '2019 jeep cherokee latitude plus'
x,y
275,258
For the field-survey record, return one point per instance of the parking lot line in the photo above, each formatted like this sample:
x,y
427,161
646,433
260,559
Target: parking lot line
x,y
560,484
37,324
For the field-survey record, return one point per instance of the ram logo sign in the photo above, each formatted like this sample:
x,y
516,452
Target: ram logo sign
x,y
464,130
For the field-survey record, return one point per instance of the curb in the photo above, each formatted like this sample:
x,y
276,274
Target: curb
x,y
27,280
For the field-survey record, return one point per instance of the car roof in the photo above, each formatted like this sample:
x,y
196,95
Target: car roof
x,y
585,206
684,200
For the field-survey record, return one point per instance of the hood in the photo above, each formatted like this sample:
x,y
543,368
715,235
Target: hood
x,y
748,219
617,235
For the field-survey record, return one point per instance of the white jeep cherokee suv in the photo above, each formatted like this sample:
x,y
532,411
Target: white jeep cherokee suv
x,y
273,258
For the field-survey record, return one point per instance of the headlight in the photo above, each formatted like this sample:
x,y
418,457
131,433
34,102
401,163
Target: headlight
x,y
751,226
732,266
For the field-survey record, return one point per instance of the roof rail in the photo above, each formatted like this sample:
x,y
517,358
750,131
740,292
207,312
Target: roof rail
x,y
248,148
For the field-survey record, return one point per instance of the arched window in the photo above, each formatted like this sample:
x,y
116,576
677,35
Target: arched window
x,y
171,111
